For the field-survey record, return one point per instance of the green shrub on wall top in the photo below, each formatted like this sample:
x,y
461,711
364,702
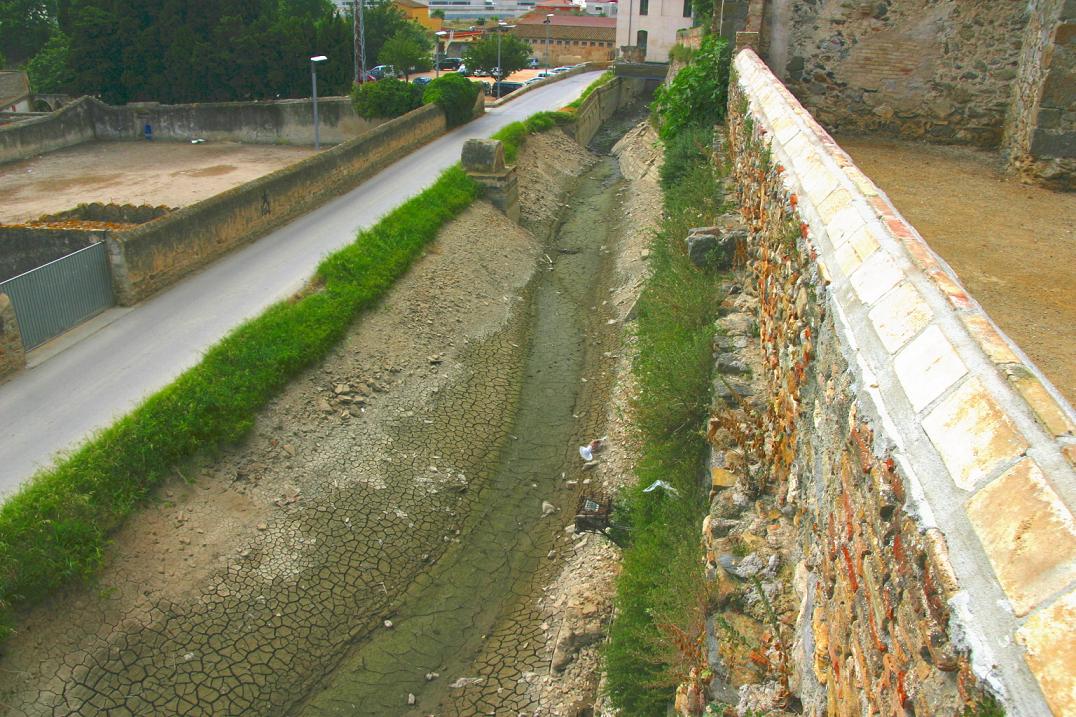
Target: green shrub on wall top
x,y
699,92
386,98
455,94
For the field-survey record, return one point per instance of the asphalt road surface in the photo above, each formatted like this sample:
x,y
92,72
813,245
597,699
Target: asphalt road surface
x,y
81,382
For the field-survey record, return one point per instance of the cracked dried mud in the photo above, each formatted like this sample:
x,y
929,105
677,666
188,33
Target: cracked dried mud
x,y
378,543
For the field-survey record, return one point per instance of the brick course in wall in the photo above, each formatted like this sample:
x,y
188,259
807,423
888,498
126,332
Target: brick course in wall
x,y
929,465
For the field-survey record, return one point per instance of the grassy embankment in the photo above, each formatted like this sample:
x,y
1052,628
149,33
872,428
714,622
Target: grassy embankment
x,y
657,635
660,596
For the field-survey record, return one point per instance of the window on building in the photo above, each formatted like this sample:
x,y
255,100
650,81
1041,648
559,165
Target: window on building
x,y
687,8
640,39
644,7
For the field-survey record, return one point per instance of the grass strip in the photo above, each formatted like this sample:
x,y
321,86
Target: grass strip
x,y
514,135
56,527
660,594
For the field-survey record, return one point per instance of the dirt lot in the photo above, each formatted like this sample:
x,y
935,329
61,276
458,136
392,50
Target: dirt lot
x,y
1013,245
171,173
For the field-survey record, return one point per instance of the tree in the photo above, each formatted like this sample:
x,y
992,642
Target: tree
x,y
439,14
482,55
455,94
385,98
50,69
406,52
25,26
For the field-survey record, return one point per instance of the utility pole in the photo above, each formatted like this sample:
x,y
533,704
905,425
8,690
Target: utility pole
x,y
362,38
355,38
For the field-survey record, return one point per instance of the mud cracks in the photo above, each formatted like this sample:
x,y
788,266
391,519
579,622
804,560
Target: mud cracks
x,y
375,546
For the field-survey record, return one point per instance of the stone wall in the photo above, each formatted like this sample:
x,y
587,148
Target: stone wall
x,y
282,121
70,125
1040,135
940,70
927,463
604,102
156,254
12,356
26,248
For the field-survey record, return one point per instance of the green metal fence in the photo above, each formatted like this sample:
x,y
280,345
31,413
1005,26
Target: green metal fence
x,y
54,297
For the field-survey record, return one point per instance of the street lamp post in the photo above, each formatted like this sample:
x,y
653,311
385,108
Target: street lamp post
x,y
548,22
314,84
437,52
501,27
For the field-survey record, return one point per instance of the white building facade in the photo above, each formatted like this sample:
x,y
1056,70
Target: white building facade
x,y
651,24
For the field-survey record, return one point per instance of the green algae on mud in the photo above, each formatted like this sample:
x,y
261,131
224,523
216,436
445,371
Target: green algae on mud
x,y
474,614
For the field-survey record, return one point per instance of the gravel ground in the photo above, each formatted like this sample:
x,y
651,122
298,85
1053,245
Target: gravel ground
x,y
174,174
1013,245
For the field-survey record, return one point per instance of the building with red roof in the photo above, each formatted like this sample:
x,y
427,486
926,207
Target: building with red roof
x,y
568,38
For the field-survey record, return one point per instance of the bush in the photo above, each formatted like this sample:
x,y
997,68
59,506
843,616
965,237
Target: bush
x,y
386,98
513,135
698,94
454,94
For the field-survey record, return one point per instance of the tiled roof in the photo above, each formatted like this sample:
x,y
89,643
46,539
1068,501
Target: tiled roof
x,y
594,21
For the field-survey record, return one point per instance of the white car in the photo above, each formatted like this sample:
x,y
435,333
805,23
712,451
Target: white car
x,y
543,74
533,80
559,70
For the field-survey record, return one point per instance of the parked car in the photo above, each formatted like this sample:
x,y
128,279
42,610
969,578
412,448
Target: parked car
x,y
544,74
382,71
500,89
451,63
559,70
533,63
533,81
421,81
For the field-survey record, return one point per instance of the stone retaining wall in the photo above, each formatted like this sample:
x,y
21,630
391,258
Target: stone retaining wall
x,y
12,356
1040,135
929,465
154,255
282,121
26,248
604,102
941,70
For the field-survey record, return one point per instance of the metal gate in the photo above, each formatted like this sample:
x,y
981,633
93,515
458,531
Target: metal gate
x,y
54,297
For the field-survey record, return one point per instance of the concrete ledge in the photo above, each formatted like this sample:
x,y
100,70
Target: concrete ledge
x,y
982,440
586,67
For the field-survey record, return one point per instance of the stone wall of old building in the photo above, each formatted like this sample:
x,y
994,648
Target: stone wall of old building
x,y
927,465
1040,136
940,70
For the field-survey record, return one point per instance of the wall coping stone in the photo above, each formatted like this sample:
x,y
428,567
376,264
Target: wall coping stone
x,y
986,441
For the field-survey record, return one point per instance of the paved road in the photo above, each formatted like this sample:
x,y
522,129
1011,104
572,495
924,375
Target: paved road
x,y
82,382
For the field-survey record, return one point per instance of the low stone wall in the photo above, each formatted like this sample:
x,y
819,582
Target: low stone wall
x,y
12,356
604,102
26,248
156,254
928,464
70,125
278,122
281,121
